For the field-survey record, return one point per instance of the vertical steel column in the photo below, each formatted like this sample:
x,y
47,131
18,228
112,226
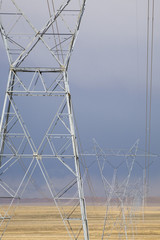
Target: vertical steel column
x,y
76,157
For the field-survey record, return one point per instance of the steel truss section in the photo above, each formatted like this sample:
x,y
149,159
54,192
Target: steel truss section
x,y
39,38
121,193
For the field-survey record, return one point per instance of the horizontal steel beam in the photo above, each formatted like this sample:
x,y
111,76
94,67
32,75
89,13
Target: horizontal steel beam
x,y
37,69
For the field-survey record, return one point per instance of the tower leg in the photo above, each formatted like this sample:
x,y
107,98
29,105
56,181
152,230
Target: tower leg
x,y
76,157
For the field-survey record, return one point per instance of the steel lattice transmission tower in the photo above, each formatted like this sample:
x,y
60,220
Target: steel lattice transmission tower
x,y
39,37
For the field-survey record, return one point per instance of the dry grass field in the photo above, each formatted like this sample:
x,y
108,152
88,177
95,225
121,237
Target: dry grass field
x,y
43,222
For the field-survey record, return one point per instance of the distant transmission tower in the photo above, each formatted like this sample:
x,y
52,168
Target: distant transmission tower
x,y
39,37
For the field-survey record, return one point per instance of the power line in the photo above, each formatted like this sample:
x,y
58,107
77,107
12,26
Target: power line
x,y
149,81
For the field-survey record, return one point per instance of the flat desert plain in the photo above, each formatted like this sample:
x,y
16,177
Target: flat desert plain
x,y
43,222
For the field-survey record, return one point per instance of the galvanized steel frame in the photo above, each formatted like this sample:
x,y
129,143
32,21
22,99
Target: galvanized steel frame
x,y
15,68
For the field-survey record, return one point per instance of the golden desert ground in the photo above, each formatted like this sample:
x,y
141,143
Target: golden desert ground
x,y
43,222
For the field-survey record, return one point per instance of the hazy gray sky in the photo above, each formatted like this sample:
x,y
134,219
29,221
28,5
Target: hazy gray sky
x,y
109,67
108,73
